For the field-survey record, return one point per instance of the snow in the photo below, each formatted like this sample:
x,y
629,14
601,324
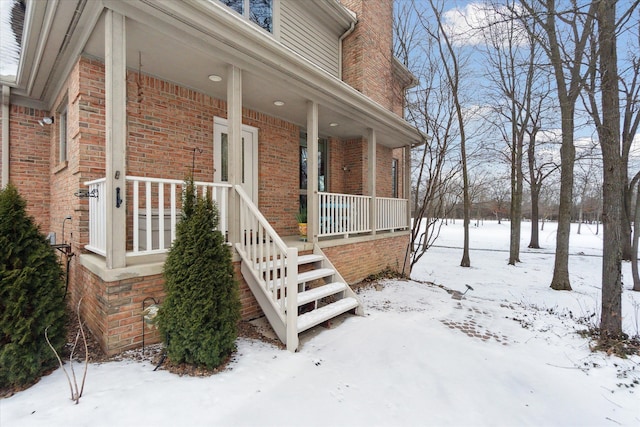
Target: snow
x,y
507,354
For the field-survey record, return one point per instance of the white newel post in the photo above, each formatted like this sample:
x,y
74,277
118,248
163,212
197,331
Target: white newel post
x,y
371,149
313,219
406,191
116,138
292,300
234,122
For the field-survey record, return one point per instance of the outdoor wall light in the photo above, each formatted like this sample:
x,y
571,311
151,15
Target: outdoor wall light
x,y
215,78
334,124
46,121
278,103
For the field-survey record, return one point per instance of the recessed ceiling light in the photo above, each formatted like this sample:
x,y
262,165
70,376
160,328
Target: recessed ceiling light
x,y
334,124
278,103
215,78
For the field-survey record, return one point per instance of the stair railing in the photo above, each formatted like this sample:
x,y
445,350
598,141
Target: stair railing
x,y
264,251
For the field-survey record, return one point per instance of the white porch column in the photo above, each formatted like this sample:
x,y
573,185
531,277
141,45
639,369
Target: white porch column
x,y
234,123
313,222
6,93
406,187
116,137
371,158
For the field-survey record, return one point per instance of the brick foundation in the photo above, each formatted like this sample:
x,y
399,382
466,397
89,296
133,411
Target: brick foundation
x,y
381,254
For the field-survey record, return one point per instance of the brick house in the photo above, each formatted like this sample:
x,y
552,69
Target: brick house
x,y
115,101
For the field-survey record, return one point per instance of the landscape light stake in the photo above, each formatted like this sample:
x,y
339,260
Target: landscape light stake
x,y
459,295
148,315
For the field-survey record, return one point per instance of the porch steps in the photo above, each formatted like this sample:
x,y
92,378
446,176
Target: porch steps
x,y
321,290
327,312
317,274
318,293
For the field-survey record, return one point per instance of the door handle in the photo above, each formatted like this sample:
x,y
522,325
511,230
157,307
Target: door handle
x,y
118,198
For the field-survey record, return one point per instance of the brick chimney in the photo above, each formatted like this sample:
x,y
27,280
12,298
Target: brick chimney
x,y
368,51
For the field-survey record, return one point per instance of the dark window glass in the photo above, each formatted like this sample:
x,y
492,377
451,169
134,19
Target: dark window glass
x,y
224,162
322,163
394,178
261,12
237,5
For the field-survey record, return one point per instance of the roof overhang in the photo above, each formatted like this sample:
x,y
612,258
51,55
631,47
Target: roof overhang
x,y
184,42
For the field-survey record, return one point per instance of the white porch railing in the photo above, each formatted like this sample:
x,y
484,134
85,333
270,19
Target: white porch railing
x,y
391,213
154,204
343,214
261,247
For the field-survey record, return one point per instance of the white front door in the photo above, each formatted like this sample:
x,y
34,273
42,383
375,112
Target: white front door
x,y
249,156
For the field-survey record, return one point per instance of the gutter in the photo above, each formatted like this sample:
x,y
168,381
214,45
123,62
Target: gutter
x,y
6,92
342,37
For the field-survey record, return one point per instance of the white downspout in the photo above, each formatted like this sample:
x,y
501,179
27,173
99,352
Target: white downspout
x,y
6,93
342,37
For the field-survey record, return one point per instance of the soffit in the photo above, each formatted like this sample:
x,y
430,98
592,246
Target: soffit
x,y
185,42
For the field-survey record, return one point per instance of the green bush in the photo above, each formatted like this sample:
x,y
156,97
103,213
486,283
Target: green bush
x,y
199,315
31,295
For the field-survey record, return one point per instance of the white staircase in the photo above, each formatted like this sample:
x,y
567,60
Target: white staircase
x,y
295,292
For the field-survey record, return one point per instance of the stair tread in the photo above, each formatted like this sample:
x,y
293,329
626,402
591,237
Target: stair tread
x,y
318,273
315,317
308,259
320,292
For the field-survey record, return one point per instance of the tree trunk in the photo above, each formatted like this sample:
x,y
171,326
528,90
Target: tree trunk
x,y
636,239
560,280
535,196
609,135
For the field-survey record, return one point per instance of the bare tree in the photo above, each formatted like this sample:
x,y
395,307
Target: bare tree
x,y
451,62
630,91
513,56
566,32
431,109
608,128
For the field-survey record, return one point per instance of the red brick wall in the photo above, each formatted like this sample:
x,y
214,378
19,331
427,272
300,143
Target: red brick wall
x,y
29,161
164,118
381,254
368,51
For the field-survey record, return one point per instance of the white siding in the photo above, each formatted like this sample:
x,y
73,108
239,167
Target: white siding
x,y
309,35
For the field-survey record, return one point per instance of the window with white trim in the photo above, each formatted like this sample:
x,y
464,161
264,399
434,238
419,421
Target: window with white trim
x,y
62,134
257,11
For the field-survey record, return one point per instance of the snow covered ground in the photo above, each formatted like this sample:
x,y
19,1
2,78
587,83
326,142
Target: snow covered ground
x,y
506,355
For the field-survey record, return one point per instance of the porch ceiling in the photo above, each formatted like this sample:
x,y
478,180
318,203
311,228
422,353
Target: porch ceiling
x,y
174,41
176,60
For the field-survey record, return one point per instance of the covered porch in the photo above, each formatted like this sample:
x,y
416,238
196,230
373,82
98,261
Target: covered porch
x,y
137,203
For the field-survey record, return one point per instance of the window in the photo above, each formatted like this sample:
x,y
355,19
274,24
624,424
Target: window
x,y
62,127
257,11
323,184
394,178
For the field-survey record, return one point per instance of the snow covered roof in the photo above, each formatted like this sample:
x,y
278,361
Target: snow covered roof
x,y
12,13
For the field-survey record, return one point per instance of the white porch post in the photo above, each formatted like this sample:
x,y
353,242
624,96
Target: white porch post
x,y
371,148
234,122
6,92
312,171
116,138
406,190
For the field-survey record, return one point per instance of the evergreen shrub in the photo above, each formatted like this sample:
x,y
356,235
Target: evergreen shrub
x,y
31,295
199,315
